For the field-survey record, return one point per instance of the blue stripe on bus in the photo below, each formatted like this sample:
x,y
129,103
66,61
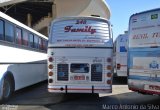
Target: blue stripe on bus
x,y
146,78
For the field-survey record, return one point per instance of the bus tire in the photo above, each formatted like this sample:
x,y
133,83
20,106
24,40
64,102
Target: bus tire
x,y
8,87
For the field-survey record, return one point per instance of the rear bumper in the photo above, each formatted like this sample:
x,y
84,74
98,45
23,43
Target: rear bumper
x,y
146,87
144,91
79,89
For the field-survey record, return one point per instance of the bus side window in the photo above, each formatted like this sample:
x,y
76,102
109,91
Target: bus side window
x,y
19,36
31,40
45,45
1,30
40,44
25,38
36,42
9,32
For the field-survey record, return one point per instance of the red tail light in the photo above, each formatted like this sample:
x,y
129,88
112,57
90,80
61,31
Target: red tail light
x,y
50,66
50,73
50,80
109,82
50,59
109,67
118,66
109,74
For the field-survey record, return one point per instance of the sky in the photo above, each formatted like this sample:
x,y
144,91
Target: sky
x,y
121,10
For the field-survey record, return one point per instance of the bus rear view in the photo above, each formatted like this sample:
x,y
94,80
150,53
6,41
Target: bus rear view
x,y
80,55
144,52
120,52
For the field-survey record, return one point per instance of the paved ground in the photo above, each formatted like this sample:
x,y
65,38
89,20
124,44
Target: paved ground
x,y
37,98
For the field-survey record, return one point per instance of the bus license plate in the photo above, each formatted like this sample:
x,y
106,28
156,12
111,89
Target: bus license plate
x,y
152,88
79,77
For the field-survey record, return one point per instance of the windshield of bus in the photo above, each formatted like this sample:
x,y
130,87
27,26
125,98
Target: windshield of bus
x,y
80,32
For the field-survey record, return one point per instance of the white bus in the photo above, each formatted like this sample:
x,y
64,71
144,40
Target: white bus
x,y
144,52
23,57
80,54
120,54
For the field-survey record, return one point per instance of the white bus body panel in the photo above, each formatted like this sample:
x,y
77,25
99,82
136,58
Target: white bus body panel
x,y
28,67
82,55
121,44
20,65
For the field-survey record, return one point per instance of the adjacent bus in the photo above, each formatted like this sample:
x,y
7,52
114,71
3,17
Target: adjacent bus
x,y
23,56
144,52
80,54
120,54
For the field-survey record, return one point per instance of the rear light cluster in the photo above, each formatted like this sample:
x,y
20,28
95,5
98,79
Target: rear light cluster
x,y
109,60
109,66
109,73
50,69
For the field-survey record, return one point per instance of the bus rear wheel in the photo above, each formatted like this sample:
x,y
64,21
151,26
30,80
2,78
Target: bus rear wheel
x,y
7,88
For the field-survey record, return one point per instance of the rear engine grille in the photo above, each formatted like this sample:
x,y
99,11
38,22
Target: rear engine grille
x,y
62,72
96,72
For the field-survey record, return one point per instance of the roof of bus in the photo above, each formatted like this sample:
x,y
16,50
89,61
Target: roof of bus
x,y
125,35
4,16
156,9
81,17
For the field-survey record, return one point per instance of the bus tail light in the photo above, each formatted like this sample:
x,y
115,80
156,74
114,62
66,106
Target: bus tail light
x,y
50,73
50,80
109,60
50,66
109,82
109,74
50,59
118,66
109,67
